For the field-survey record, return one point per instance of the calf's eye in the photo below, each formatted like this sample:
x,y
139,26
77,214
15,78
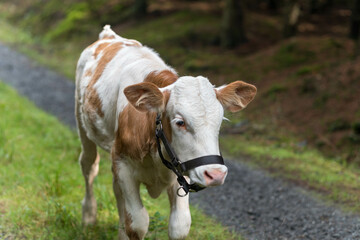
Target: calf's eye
x,y
180,123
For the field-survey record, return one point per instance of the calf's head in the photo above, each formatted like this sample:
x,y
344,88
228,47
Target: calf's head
x,y
195,110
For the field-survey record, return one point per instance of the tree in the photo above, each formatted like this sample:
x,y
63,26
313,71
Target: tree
x,y
273,5
233,32
355,20
292,14
140,8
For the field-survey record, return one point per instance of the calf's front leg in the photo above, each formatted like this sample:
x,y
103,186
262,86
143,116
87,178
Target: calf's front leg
x,y
131,210
180,217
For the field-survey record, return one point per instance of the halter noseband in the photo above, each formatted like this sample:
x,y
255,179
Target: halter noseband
x,y
179,167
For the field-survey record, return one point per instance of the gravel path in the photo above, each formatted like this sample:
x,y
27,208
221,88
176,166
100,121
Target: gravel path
x,y
251,202
47,89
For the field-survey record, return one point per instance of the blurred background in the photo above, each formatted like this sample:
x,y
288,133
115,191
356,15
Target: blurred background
x,y
302,55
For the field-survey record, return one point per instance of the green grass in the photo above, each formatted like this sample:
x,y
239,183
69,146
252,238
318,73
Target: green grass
x,y
41,185
291,54
305,167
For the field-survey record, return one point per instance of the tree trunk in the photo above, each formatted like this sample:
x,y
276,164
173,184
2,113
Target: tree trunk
x,y
292,15
273,5
314,6
355,20
140,8
329,4
233,32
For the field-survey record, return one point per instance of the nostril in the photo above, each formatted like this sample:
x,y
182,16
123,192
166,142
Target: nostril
x,y
208,175
214,177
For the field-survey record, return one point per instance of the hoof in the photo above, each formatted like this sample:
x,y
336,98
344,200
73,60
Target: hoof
x,y
89,212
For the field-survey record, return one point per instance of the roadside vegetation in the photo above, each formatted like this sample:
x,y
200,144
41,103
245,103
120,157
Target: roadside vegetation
x,y
302,166
304,124
41,185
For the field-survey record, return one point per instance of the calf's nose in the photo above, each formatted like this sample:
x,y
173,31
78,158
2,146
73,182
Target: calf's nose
x,y
214,177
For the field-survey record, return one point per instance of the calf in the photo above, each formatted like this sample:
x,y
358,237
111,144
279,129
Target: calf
x,y
122,87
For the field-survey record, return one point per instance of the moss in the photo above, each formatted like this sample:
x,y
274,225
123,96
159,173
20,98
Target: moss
x,y
308,69
321,100
356,128
338,125
308,86
291,54
275,90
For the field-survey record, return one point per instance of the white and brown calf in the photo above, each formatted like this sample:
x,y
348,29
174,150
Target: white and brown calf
x,y
120,87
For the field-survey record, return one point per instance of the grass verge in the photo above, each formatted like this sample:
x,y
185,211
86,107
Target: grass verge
x,y
41,185
305,167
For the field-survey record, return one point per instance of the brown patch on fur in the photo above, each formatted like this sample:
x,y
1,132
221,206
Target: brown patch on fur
x,y
108,37
161,79
99,41
166,96
99,48
236,95
129,232
136,133
167,128
91,114
109,54
91,96
88,73
93,102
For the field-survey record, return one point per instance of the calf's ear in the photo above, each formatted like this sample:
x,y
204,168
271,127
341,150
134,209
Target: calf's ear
x,y
236,95
145,97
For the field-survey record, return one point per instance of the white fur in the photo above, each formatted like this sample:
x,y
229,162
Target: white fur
x,y
203,121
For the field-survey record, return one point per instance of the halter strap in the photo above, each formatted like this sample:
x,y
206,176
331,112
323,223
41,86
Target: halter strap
x,y
177,166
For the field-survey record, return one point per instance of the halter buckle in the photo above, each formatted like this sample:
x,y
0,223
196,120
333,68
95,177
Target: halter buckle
x,y
181,195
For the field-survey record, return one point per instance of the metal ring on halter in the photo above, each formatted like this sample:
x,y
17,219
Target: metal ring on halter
x,y
177,192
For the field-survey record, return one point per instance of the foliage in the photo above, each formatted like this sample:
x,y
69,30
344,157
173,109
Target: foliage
x,y
308,69
75,18
60,20
291,54
274,90
41,185
338,125
356,127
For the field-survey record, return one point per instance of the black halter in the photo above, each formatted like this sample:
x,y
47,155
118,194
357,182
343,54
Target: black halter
x,y
177,166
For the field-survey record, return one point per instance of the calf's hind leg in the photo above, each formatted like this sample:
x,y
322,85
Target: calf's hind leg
x,y
89,161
